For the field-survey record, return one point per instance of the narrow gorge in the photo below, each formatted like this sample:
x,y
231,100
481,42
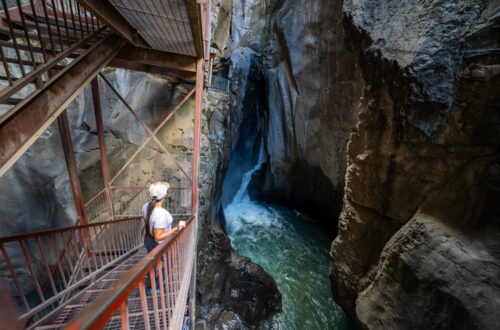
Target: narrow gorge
x,y
349,176
381,120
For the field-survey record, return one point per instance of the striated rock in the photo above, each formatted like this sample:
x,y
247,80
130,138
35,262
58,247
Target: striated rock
x,y
455,286
416,234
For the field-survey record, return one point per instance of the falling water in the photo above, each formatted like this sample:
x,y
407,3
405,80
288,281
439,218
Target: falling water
x,y
294,251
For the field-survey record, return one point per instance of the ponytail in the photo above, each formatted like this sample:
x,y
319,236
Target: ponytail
x,y
151,207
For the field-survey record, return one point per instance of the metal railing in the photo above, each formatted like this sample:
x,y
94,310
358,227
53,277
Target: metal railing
x,y
128,301
42,269
38,38
128,202
219,83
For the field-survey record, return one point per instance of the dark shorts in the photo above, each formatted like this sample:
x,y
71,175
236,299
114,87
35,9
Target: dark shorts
x,y
150,243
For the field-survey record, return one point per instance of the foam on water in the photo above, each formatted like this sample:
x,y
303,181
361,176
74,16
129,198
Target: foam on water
x,y
294,251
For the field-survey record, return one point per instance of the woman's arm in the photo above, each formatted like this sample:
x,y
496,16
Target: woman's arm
x,y
160,235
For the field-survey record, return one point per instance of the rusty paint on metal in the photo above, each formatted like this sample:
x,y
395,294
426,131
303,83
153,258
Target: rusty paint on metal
x,y
37,112
71,166
96,97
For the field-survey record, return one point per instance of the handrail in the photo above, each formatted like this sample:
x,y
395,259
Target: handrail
x,y
175,258
58,230
127,201
64,259
20,15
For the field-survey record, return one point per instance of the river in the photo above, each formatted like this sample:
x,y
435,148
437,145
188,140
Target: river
x,y
294,251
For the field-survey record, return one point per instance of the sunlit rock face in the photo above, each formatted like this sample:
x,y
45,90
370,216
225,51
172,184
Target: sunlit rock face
x,y
418,233
40,179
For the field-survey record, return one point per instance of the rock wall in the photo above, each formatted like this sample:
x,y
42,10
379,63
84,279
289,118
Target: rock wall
x,y
232,291
418,234
392,108
40,179
35,194
314,85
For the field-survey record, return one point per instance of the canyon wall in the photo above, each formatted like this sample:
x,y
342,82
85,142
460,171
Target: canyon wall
x,y
389,111
232,291
418,234
314,84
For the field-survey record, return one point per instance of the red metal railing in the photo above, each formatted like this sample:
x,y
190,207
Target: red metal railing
x,y
128,301
43,268
36,38
128,202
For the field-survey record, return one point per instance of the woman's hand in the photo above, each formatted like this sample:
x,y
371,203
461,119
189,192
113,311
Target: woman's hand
x,y
182,224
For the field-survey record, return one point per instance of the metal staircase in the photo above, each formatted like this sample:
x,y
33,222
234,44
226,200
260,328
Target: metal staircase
x,y
96,274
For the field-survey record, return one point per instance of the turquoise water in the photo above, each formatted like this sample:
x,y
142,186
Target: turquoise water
x,y
294,251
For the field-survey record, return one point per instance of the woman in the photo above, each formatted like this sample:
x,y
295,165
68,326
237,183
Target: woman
x,y
158,220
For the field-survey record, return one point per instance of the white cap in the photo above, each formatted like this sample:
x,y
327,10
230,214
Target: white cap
x,y
158,190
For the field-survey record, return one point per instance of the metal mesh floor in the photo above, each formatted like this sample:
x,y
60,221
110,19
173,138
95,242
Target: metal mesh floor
x,y
75,305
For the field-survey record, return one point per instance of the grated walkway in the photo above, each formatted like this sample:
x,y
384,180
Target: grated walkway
x,y
60,317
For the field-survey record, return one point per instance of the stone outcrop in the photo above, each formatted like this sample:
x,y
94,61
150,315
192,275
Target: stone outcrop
x,y
234,292
418,230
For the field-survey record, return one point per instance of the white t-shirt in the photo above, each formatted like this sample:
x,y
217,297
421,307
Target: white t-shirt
x,y
160,218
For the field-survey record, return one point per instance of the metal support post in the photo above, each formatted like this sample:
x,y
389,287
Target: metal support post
x,y
196,165
96,97
197,134
69,155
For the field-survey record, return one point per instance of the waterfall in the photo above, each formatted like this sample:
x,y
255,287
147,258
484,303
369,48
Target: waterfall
x,y
242,193
290,248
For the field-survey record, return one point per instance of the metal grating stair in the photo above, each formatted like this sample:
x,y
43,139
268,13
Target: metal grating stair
x,y
62,315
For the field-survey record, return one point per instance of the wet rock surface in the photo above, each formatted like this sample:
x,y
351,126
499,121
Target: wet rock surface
x,y
234,292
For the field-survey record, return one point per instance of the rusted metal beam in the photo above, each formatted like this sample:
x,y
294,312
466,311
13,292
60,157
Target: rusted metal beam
x,y
108,14
193,9
69,155
22,82
96,97
152,134
129,65
31,117
158,58
198,99
195,179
